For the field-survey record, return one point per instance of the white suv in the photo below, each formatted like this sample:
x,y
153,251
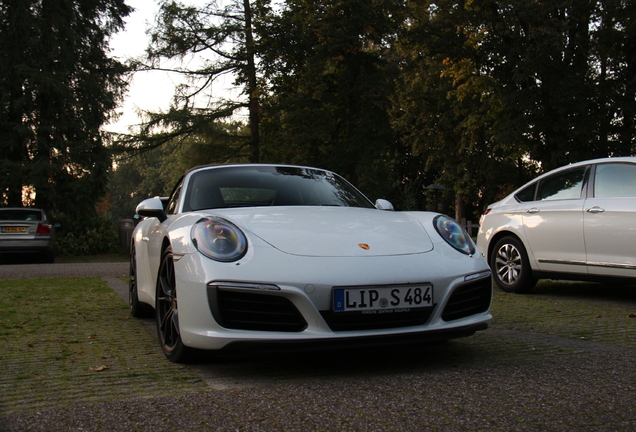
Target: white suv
x,y
577,222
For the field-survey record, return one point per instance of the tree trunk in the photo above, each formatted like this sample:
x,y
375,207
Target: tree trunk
x,y
252,85
459,208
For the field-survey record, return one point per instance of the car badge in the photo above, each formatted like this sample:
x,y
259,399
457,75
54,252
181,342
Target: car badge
x,y
364,246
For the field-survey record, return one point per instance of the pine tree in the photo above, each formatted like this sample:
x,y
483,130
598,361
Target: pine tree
x,y
58,86
219,37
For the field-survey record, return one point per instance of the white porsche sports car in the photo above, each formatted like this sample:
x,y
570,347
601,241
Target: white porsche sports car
x,y
247,255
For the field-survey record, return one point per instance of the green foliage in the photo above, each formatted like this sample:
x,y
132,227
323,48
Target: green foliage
x,y
491,94
155,172
64,340
476,96
97,237
442,108
331,78
57,88
220,35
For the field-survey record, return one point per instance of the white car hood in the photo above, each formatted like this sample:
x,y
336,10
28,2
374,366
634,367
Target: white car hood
x,y
334,231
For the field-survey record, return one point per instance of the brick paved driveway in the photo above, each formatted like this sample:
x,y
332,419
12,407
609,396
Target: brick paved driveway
x,y
94,269
560,359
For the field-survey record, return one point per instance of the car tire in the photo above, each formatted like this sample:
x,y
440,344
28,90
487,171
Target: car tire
x,y
167,313
511,267
49,257
137,308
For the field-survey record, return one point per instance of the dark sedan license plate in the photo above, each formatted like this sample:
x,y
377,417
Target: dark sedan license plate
x,y
8,229
383,299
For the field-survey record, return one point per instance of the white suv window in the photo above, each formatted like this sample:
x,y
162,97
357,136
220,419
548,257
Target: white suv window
x,y
615,180
563,185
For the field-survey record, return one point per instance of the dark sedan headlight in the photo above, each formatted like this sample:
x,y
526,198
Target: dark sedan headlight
x,y
454,234
219,239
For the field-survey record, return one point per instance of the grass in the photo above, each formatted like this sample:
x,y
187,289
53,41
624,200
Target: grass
x,y
69,340
593,312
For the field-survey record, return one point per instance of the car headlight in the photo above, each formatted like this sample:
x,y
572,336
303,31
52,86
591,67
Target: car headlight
x,y
454,234
219,239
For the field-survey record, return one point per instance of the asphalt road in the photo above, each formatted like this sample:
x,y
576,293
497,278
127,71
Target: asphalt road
x,y
531,371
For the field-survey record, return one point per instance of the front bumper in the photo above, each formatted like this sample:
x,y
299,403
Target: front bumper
x,y
423,337
307,284
37,245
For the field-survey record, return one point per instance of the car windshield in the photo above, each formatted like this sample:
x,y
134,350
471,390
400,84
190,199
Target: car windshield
x,y
19,215
243,186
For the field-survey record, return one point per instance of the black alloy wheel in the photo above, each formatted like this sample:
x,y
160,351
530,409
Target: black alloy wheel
x,y
511,267
167,312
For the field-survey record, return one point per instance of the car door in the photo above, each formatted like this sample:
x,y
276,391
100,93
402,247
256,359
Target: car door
x,y
610,220
553,223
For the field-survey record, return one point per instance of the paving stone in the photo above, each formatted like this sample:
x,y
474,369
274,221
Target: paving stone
x,y
549,362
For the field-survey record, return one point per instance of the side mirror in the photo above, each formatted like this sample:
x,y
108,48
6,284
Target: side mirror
x,y
152,207
382,204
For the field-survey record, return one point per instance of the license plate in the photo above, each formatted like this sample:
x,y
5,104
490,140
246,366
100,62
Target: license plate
x,y
386,299
8,229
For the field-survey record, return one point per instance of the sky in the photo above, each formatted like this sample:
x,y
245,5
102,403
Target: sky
x,y
148,90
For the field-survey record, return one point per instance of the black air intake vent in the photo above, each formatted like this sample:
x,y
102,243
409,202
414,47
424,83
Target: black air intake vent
x,y
469,299
253,311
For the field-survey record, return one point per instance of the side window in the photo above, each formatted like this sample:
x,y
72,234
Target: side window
x,y
564,185
615,180
173,202
526,194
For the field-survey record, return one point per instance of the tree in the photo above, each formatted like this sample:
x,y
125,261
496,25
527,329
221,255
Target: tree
x,y
57,88
446,105
566,73
477,96
155,172
491,93
614,72
330,76
539,54
218,38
